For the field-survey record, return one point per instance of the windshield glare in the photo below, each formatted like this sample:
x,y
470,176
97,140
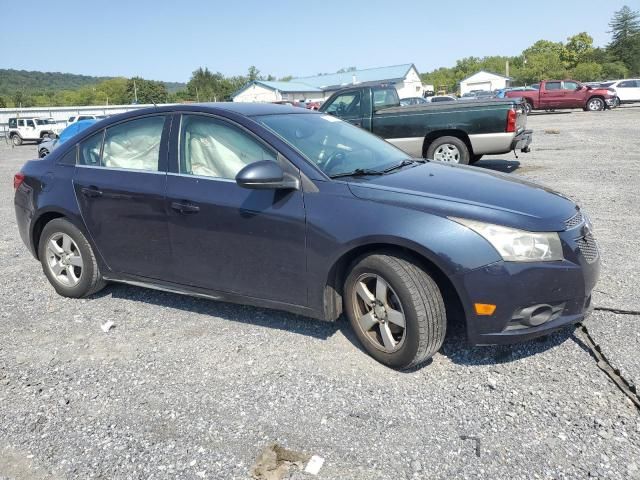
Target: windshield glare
x,y
333,145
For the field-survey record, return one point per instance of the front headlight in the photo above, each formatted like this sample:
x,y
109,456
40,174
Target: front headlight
x,y
515,245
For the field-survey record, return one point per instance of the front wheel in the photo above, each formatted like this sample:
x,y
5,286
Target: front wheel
x,y
395,309
449,150
595,105
43,153
616,102
68,260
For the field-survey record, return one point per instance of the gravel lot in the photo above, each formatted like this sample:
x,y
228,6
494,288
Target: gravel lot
x,y
189,388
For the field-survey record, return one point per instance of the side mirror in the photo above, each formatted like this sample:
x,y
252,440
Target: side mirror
x,y
266,175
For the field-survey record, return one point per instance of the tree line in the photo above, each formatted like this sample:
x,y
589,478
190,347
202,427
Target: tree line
x,y
577,58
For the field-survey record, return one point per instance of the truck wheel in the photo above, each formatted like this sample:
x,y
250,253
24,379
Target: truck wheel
x,y
595,104
527,108
449,150
16,139
395,309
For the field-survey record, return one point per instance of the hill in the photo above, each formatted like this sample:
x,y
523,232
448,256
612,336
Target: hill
x,y
33,82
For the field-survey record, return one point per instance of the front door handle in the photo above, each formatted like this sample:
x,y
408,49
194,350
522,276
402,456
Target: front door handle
x,y
185,207
91,192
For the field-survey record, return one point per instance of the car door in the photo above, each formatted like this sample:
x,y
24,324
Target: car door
x,y
120,182
552,95
573,95
348,107
628,90
225,237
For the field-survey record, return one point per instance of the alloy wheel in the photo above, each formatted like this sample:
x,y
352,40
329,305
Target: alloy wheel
x,y
379,312
447,153
64,259
595,104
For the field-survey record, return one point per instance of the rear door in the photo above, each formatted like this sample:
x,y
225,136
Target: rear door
x,y
120,183
225,237
552,95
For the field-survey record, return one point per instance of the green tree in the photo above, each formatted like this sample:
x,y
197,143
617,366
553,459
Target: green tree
x,y
625,38
587,72
146,91
253,74
3,103
577,49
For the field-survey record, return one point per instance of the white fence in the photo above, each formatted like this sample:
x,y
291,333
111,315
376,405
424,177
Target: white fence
x,y
62,114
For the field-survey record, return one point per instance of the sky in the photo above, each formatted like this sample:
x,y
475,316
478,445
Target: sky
x,y
167,40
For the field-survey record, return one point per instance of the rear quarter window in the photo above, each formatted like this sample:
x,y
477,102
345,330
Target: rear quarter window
x,y
70,157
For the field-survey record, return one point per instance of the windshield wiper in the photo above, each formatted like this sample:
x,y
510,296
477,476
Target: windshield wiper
x,y
403,163
358,172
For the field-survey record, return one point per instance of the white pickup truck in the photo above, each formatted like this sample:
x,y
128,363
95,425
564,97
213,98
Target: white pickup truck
x,y
32,129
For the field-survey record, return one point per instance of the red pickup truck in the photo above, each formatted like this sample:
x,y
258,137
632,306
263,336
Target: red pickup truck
x,y
558,94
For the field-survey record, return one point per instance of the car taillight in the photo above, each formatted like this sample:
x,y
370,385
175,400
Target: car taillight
x,y
511,120
18,178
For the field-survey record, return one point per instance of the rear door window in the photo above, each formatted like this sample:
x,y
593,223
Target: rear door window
x,y
627,84
134,145
553,85
90,150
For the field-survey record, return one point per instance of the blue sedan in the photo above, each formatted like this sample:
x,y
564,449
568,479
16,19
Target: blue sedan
x,y
299,211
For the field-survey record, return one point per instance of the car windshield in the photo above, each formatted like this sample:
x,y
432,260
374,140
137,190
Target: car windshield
x,y
336,147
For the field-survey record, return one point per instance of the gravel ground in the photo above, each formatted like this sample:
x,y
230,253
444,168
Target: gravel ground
x,y
189,388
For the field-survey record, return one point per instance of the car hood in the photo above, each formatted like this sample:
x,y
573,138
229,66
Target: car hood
x,y
470,192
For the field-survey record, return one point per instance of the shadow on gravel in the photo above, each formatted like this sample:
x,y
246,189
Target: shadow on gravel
x,y
555,112
504,166
226,311
459,351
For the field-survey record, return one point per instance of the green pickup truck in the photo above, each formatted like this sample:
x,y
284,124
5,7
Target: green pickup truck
x,y
455,132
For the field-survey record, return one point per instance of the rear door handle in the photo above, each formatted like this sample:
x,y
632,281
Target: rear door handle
x,y
185,207
91,192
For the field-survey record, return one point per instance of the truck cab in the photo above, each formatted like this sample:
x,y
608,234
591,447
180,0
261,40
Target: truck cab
x,y
32,129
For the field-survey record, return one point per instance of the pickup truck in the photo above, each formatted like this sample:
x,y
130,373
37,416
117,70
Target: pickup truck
x,y
32,129
455,132
559,94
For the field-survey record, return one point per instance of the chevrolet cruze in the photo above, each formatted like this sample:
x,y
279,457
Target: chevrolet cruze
x,y
290,209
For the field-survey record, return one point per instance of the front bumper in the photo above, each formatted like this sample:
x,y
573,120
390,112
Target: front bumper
x,y
513,287
611,102
522,141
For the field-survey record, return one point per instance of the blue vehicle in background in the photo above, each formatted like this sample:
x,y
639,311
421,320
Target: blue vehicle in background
x,y
47,146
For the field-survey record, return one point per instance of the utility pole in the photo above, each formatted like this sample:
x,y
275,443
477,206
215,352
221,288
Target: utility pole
x,y
197,95
506,68
135,91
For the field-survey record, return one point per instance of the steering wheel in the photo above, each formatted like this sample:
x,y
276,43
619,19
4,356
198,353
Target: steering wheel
x,y
336,158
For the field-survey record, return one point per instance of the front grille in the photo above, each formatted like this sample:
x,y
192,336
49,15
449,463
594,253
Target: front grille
x,y
588,247
574,221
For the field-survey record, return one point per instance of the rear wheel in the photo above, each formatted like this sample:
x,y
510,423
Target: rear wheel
x,y
68,260
395,309
527,108
449,150
43,153
595,104
17,140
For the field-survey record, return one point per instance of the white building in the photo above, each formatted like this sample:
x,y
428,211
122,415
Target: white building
x,y
484,81
320,87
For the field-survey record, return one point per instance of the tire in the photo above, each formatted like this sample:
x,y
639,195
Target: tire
x,y
16,139
449,150
616,102
410,293
595,104
527,108
43,153
474,159
81,281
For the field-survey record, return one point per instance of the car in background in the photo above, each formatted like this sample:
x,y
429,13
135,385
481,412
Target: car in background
x,y
563,94
625,91
413,101
314,104
440,98
77,118
290,209
477,95
447,131
47,146
32,129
